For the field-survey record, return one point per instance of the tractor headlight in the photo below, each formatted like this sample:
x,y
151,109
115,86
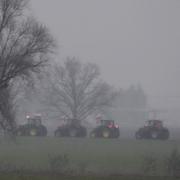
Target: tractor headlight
x,y
116,126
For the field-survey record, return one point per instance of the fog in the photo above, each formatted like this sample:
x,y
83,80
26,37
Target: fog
x,y
107,103
132,41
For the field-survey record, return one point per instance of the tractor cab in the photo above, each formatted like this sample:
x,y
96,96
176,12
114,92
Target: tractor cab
x,y
33,127
34,120
70,122
154,123
108,123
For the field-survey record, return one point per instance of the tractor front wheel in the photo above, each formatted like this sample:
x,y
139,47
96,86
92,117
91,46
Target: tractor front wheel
x,y
33,132
72,132
42,131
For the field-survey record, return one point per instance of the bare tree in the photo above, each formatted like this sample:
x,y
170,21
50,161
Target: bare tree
x,y
8,110
76,90
24,48
24,43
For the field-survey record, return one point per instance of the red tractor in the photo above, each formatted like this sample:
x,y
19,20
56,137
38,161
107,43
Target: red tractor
x,y
106,129
71,128
153,129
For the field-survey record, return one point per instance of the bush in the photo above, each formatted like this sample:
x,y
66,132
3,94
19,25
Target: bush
x,y
59,163
82,167
150,163
172,163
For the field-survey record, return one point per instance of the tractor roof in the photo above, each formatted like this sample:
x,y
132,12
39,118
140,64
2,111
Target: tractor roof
x,y
155,120
107,120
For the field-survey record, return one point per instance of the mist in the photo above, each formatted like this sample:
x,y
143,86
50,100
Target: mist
x,y
133,42
90,88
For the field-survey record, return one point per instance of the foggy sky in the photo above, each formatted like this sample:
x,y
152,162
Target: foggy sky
x,y
133,41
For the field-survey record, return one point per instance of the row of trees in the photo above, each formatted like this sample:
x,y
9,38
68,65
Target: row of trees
x,y
73,89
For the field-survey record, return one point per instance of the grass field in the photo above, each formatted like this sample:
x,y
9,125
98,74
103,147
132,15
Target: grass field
x,y
98,155
41,177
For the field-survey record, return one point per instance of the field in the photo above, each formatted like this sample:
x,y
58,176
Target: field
x,y
95,155
42,177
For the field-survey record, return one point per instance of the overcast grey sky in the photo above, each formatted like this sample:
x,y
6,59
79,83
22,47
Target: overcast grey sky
x,y
133,41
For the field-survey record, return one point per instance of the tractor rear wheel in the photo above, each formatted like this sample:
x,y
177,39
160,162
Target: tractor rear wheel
x,y
72,132
154,135
92,134
116,133
165,134
138,136
106,133
42,131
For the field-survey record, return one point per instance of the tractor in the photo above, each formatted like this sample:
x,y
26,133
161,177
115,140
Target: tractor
x,y
33,127
106,129
153,129
71,128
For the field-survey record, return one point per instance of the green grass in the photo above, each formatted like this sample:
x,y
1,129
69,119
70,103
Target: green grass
x,y
101,155
46,177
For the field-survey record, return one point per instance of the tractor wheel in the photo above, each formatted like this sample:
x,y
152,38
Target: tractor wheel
x,y
106,133
33,132
116,134
93,135
165,134
43,131
138,136
154,135
72,132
